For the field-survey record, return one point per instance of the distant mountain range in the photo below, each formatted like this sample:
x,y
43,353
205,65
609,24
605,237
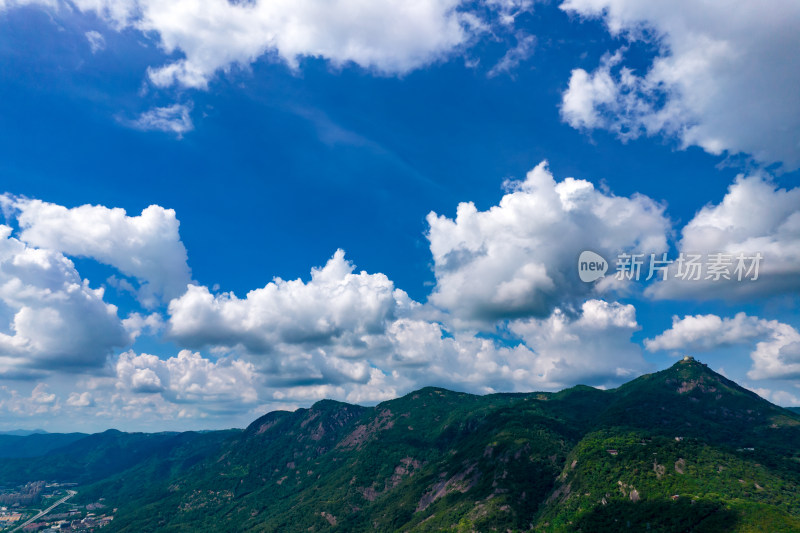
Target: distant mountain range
x,y
23,432
684,449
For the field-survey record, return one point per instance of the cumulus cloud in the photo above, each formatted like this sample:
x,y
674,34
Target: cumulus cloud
x,y
412,353
539,355
708,332
347,336
54,319
147,246
342,333
174,118
597,100
336,304
593,347
776,354
524,251
377,388
724,78
136,324
424,353
355,337
754,218
189,378
39,402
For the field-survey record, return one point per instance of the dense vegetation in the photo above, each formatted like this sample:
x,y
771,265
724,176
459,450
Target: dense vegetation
x,y
680,450
35,445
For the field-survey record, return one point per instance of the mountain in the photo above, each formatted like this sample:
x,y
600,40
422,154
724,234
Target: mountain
x,y
34,444
92,458
684,449
23,432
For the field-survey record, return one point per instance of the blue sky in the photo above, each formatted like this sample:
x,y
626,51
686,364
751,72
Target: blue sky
x,y
179,178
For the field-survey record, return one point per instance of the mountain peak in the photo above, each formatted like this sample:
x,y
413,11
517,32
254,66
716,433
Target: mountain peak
x,y
688,361
690,399
692,373
689,366
688,378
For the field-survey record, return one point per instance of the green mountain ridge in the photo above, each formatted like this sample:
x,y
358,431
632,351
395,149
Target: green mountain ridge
x,y
34,444
684,449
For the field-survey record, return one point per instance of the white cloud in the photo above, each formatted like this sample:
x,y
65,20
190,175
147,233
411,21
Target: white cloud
x,y
724,79
6,4
754,217
171,119
514,56
354,337
525,250
147,247
778,397
136,324
390,37
189,378
379,387
509,10
342,333
593,347
335,305
96,40
41,396
776,355
423,353
708,332
54,319
786,399
597,100
119,13
40,402
191,385
80,399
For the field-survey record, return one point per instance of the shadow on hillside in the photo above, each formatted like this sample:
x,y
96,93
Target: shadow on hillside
x,y
659,516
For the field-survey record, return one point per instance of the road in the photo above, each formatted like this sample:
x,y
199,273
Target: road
x,y
70,494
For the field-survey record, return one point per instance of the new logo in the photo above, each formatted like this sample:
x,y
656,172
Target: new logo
x,y
591,266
